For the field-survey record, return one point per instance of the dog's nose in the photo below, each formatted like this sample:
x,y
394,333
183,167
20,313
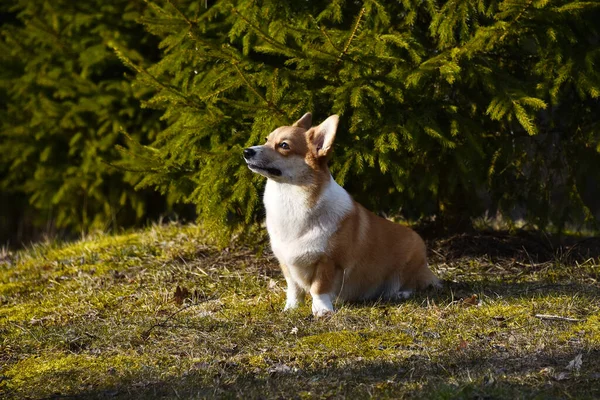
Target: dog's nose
x,y
249,153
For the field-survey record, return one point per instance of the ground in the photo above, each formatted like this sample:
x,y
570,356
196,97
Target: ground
x,y
518,317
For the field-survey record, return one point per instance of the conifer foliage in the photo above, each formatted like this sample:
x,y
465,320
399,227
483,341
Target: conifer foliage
x,y
447,107
65,100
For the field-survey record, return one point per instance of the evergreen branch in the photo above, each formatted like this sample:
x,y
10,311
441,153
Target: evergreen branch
x,y
39,24
274,83
324,32
129,169
178,11
521,13
141,70
266,36
529,3
352,35
241,105
136,155
194,34
256,92
218,92
308,32
248,83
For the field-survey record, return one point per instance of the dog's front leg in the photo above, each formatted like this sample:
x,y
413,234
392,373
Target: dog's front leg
x,y
321,287
294,295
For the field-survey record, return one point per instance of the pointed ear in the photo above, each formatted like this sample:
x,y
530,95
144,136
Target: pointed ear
x,y
321,137
305,122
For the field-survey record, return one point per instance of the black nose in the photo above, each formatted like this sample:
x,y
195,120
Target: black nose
x,y
249,153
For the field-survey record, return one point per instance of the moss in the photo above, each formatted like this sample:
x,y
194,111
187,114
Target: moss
x,y
590,329
57,373
98,318
366,344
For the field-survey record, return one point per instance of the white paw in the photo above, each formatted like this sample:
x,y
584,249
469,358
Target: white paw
x,y
293,299
322,313
404,294
291,305
321,305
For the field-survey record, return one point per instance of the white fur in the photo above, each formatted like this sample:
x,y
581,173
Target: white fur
x,y
294,295
321,305
300,233
294,169
404,294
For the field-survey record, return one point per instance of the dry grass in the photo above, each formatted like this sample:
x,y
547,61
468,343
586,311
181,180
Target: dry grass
x,y
98,318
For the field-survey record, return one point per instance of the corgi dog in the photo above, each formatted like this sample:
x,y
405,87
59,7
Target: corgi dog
x,y
326,243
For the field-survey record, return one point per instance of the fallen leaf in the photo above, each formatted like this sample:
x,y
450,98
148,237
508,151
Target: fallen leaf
x,y
575,364
118,275
471,301
280,369
463,344
181,293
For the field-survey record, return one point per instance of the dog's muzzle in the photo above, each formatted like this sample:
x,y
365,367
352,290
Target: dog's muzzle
x,y
258,167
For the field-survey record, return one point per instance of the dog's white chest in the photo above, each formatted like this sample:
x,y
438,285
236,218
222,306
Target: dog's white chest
x,y
300,233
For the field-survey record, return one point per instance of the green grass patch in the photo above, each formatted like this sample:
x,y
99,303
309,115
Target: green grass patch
x,y
99,319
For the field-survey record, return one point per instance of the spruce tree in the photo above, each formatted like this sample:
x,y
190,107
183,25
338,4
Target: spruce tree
x,y
447,108
65,102
439,100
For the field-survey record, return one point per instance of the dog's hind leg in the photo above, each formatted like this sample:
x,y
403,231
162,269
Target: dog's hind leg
x,y
394,290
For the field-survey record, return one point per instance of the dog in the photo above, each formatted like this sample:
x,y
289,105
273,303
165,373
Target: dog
x,y
327,244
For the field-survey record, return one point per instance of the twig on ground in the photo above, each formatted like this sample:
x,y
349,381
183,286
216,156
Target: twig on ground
x,y
549,317
146,334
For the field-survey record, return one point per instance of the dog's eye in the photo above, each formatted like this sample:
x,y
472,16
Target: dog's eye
x,y
284,145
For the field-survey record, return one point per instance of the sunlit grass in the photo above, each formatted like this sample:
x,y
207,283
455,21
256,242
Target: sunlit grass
x,y
98,318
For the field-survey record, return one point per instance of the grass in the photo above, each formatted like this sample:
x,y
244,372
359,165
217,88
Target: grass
x,y
99,319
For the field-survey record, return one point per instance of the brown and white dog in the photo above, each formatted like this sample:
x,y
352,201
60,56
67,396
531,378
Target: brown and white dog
x,y
326,243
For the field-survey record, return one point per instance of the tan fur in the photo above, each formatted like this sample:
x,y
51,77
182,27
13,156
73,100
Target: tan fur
x,y
300,143
377,251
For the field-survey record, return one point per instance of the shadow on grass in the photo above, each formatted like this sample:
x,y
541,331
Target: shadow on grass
x,y
511,268
523,247
466,373
461,376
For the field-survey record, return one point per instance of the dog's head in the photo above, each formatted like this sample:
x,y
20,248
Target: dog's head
x,y
295,154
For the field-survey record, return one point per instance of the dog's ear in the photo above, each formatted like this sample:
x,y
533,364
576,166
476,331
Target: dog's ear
x,y
305,122
321,137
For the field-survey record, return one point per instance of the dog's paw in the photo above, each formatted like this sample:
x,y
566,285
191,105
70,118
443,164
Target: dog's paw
x,y
404,294
321,305
291,306
323,313
437,284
